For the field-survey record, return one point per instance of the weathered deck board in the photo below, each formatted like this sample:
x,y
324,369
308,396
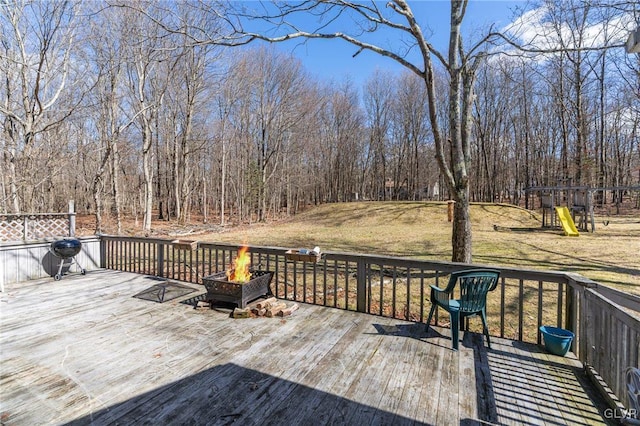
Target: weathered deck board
x,y
83,350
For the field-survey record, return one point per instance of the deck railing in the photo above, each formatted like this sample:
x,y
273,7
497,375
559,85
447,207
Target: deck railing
x,y
607,331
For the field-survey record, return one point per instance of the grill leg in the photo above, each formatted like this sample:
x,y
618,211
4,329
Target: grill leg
x,y
72,261
59,274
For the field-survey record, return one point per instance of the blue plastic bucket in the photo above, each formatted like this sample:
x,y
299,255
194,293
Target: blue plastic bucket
x,y
557,340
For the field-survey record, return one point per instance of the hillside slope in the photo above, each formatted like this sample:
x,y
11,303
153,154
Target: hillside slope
x,y
502,235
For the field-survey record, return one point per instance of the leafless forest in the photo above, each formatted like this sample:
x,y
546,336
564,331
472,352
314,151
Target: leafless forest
x,y
100,104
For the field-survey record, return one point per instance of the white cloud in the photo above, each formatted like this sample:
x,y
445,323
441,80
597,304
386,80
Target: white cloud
x,y
535,30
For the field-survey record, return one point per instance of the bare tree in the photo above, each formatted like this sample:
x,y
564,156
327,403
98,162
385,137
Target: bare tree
x,y
147,78
37,43
378,101
225,104
412,134
111,120
273,103
460,65
338,167
573,39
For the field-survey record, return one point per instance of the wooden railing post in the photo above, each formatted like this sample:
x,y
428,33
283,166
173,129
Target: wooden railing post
x,y
72,219
25,227
160,260
361,277
103,252
577,314
571,313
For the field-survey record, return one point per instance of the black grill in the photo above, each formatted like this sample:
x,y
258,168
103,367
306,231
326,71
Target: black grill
x,y
66,250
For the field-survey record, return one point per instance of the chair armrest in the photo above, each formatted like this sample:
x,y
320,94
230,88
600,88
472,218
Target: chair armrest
x,y
439,296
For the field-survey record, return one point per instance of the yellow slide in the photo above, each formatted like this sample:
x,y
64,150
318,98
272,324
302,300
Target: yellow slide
x,y
567,222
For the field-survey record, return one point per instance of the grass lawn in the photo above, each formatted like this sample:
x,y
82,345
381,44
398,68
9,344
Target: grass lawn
x,y
502,235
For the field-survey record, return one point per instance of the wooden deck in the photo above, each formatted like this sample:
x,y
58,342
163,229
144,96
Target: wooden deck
x,y
84,351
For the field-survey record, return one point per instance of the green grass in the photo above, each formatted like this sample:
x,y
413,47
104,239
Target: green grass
x,y
610,255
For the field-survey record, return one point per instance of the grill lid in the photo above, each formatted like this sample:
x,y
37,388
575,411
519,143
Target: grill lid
x,y
66,248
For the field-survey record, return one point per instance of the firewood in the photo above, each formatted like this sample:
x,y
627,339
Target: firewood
x,y
274,309
241,313
288,311
254,305
259,312
264,303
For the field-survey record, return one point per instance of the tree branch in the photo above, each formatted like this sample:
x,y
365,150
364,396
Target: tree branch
x,y
562,49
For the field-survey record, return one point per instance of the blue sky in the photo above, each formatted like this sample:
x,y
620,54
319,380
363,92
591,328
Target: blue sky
x,y
333,60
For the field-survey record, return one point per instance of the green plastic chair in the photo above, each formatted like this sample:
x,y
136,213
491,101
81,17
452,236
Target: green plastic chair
x,y
474,286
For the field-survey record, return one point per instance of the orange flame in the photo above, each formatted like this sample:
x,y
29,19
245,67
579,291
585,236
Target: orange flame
x,y
239,271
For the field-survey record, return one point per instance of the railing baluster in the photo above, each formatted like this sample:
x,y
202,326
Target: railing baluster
x,y
520,309
422,301
393,293
304,282
315,284
346,284
559,307
286,278
368,286
127,256
540,301
160,265
381,290
273,264
408,310
197,268
324,285
361,286
335,283
502,305
122,253
295,280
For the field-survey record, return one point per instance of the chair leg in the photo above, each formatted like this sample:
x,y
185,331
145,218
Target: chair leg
x,y
485,329
433,308
455,328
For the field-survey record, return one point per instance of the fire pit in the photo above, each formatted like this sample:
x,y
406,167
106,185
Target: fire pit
x,y
219,288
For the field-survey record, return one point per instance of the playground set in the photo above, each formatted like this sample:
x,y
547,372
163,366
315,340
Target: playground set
x,y
571,207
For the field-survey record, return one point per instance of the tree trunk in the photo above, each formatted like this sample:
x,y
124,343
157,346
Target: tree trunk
x,y
115,173
460,99
148,178
13,177
461,237
223,181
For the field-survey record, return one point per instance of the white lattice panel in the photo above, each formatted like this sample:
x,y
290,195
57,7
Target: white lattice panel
x,y
38,227
43,226
11,228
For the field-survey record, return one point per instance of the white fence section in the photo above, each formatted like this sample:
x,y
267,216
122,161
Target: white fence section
x,y
37,226
28,261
